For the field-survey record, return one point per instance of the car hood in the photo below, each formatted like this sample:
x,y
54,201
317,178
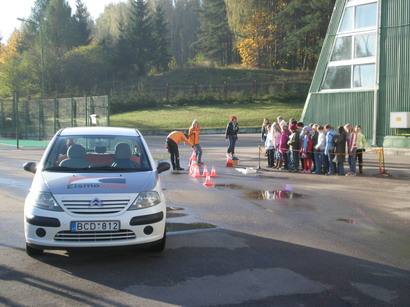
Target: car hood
x,y
98,183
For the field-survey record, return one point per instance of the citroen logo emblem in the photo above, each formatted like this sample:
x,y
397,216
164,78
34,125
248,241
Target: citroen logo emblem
x,y
96,203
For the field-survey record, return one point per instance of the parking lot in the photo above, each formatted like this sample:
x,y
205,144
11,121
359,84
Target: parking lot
x,y
270,238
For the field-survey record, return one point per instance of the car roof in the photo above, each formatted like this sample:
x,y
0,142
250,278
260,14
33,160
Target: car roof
x,y
99,131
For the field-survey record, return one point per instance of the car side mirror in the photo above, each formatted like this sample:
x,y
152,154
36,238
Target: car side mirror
x,y
162,167
30,167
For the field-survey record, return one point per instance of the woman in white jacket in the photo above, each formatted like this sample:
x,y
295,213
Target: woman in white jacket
x,y
319,150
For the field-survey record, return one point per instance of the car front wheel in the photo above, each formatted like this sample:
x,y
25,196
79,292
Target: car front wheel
x,y
159,246
33,252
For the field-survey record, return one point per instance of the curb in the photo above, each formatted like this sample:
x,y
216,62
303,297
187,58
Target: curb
x,y
203,131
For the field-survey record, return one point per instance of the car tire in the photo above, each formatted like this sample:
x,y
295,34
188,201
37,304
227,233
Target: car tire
x,y
33,252
159,246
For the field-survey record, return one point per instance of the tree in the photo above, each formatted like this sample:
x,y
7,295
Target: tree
x,y
184,30
59,27
256,49
161,41
140,37
14,71
304,24
107,26
215,37
83,23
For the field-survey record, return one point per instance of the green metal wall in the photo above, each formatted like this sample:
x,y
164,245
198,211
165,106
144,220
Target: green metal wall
x,y
341,108
394,95
394,88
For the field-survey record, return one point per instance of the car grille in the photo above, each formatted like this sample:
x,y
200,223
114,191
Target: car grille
x,y
108,206
92,236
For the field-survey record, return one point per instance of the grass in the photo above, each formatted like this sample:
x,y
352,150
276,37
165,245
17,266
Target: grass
x,y
209,116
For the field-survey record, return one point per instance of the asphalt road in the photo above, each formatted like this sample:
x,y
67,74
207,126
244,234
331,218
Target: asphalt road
x,y
328,241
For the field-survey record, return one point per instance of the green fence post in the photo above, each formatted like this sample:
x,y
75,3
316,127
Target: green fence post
x,y
26,116
2,114
39,121
55,115
16,118
86,111
72,111
108,106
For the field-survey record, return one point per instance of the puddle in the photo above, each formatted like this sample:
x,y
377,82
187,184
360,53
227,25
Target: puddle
x,y
171,208
173,227
171,215
272,195
348,221
285,193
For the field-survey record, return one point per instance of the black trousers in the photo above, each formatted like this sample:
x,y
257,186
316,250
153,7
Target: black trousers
x,y
271,157
359,156
174,152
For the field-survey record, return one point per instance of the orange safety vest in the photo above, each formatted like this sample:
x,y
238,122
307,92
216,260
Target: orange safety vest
x,y
194,135
178,137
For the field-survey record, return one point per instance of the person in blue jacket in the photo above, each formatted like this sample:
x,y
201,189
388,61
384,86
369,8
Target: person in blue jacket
x,y
329,148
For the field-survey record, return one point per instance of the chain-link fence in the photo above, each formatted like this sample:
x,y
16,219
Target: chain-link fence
x,y
28,122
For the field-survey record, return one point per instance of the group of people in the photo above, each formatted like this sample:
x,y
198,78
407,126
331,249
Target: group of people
x,y
313,148
192,139
290,146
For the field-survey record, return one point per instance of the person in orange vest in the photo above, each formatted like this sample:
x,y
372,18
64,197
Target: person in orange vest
x,y
173,139
193,136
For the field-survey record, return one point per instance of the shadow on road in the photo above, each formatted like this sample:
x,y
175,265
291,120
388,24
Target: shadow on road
x,y
217,267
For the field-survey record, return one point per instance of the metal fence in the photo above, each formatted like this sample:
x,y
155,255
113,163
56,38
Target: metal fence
x,y
24,120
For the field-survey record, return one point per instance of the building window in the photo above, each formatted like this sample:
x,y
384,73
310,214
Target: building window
x,y
352,63
338,77
366,16
365,45
348,20
364,75
342,49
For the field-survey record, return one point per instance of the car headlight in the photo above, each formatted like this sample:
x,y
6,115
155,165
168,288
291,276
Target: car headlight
x,y
44,200
145,200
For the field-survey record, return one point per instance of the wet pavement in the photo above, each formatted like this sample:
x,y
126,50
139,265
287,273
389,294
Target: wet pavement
x,y
263,239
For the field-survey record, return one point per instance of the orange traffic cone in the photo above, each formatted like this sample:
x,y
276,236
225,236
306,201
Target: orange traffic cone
x,y
196,173
208,182
192,158
192,165
213,172
205,172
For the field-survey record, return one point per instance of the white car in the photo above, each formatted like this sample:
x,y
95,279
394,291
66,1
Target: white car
x,y
95,187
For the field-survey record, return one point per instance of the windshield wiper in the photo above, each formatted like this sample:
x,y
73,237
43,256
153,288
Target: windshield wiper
x,y
109,168
64,169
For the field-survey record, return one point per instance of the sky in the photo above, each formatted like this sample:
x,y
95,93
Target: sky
x,y
10,10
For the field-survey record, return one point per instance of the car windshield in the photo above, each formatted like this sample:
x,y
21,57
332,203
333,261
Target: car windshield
x,y
97,154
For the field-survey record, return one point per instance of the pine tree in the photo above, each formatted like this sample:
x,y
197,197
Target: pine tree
x,y
140,37
161,41
215,37
83,24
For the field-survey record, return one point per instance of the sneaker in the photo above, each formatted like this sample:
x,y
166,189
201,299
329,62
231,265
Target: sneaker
x,y
180,169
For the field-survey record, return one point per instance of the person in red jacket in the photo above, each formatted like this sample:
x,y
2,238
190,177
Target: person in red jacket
x,y
307,149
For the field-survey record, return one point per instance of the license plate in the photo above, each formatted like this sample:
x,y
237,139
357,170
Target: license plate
x,y
96,226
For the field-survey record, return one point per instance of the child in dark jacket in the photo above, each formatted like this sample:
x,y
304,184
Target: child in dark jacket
x,y
340,150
